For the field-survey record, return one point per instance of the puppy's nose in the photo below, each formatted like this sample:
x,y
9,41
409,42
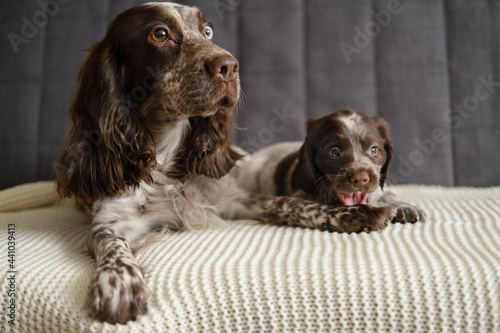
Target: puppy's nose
x,y
224,68
360,179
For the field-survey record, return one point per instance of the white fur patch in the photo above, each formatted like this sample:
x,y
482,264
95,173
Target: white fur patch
x,y
256,174
168,142
351,121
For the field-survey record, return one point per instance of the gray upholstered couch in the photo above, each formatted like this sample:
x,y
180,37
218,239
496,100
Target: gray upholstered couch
x,y
431,68
423,65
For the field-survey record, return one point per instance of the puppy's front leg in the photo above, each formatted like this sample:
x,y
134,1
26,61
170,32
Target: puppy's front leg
x,y
303,213
404,211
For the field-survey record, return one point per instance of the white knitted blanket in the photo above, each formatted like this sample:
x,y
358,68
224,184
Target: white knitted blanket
x,y
441,275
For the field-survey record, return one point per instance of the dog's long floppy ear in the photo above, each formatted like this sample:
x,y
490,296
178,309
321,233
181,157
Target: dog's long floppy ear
x,y
208,149
306,175
109,146
384,132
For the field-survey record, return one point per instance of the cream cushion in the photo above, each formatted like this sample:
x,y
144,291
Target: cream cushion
x,y
441,275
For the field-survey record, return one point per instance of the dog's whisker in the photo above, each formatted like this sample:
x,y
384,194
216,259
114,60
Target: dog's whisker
x,y
240,106
321,179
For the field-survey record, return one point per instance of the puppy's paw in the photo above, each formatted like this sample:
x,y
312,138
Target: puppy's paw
x,y
361,218
408,213
118,293
375,218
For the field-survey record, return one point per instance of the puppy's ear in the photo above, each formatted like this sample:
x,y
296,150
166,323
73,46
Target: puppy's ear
x,y
109,145
384,132
306,175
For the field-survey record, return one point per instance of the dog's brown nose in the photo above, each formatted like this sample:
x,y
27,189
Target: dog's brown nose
x,y
360,179
224,68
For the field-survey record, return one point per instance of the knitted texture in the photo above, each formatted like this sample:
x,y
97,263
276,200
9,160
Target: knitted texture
x,y
437,276
28,196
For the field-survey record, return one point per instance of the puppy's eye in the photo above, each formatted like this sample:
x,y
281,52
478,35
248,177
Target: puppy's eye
x,y
335,152
373,151
159,35
209,32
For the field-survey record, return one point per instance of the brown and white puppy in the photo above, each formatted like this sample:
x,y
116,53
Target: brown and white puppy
x,y
343,162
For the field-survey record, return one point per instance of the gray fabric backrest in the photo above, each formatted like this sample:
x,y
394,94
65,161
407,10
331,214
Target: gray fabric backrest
x,y
430,68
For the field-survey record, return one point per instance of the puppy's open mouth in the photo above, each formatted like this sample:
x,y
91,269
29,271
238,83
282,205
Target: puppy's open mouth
x,y
354,198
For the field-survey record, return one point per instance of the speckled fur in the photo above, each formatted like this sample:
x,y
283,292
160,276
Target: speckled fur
x,y
292,169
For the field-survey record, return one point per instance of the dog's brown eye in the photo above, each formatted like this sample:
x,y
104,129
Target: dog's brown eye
x,y
335,152
373,151
160,35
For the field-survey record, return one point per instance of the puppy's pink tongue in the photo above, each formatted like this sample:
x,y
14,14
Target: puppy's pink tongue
x,y
352,198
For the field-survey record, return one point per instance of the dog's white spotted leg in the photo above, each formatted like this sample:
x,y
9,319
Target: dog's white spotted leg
x,y
308,214
118,292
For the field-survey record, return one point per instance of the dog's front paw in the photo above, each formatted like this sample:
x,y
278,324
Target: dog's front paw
x,y
408,213
118,293
362,218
